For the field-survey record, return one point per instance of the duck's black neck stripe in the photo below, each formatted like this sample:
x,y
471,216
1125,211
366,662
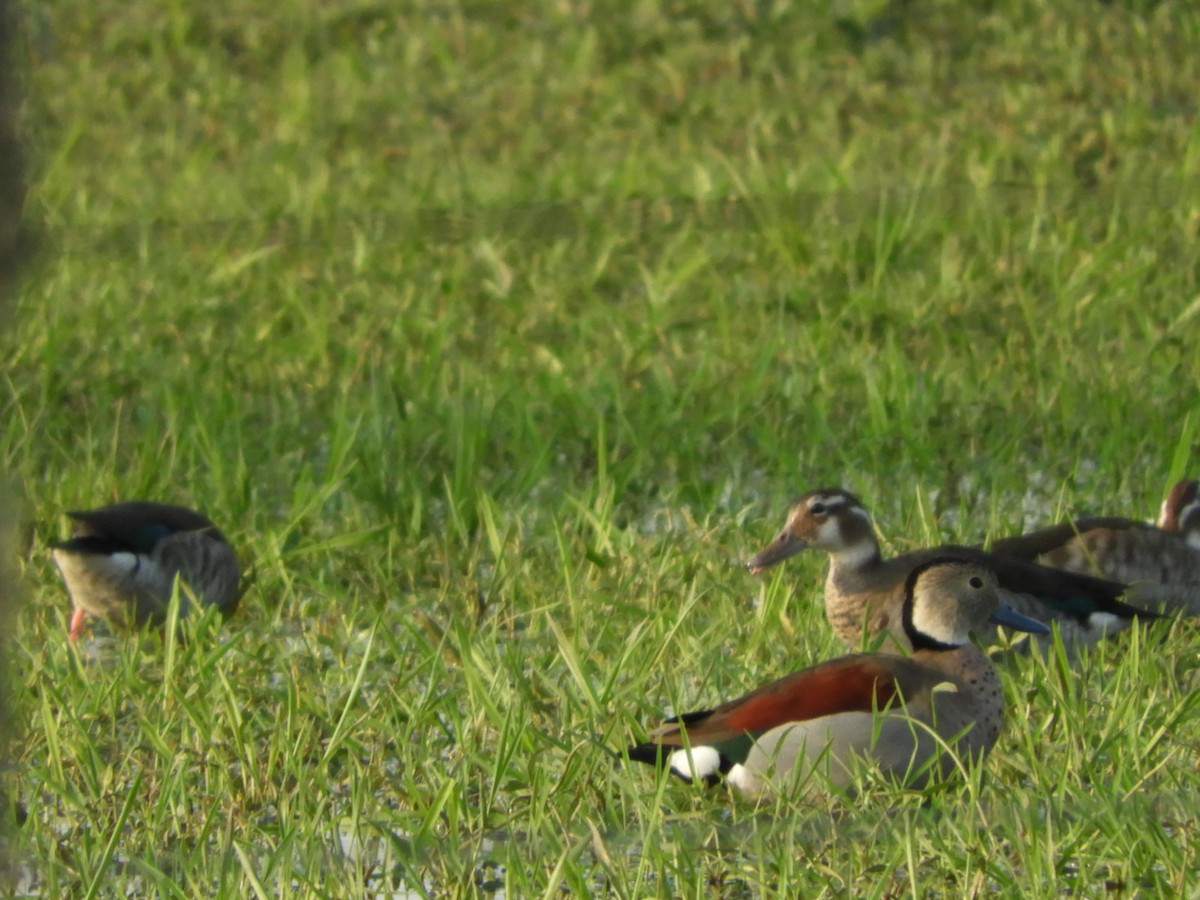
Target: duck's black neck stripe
x,y
919,639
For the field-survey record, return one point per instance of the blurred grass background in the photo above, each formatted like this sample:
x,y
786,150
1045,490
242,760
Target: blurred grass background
x,y
495,334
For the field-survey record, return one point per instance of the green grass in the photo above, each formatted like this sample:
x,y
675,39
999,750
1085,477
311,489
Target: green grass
x,y
495,334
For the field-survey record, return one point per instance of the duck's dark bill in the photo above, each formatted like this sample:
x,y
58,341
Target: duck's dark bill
x,y
777,551
1010,618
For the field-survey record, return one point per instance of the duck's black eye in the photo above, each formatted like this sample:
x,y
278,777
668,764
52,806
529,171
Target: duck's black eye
x,y
976,582
817,509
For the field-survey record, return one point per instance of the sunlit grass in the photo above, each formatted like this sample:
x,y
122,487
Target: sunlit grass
x,y
494,336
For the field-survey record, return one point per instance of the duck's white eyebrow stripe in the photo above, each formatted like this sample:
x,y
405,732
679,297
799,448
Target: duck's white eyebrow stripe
x,y
836,501
831,502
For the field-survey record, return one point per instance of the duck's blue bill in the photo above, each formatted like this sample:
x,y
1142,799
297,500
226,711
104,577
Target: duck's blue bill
x,y
1010,618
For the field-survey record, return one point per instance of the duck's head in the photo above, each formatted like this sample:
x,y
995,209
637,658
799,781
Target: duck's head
x,y
1181,511
946,600
829,519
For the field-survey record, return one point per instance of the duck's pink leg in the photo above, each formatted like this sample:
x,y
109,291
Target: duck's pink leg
x,y
76,624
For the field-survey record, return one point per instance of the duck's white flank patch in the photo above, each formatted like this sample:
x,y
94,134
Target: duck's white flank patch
x,y
1102,622
703,761
743,779
124,561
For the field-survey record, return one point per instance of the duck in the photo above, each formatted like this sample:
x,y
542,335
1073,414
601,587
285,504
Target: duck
x,y
1160,564
122,560
915,718
864,593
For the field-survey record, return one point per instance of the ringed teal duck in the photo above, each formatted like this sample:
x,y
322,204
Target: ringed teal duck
x,y
864,593
909,716
121,562
1159,565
